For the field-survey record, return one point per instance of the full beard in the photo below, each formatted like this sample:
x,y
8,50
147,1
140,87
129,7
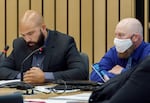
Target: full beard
x,y
38,44
127,53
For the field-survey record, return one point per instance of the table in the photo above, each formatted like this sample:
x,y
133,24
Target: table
x,y
4,91
50,97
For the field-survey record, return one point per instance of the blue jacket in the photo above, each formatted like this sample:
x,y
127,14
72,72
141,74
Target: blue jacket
x,y
110,59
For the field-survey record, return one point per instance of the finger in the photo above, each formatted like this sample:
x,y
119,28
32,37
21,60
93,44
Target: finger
x,y
28,71
28,82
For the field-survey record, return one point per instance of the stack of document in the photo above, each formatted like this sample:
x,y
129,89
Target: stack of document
x,y
77,98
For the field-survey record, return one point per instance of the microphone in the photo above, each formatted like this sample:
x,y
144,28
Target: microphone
x,y
26,58
4,51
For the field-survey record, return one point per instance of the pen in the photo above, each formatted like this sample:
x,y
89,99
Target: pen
x,y
105,76
98,73
30,101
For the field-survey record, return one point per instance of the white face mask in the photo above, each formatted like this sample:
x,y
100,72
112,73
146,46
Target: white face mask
x,y
122,44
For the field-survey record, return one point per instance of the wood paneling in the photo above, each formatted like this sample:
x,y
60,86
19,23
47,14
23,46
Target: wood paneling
x,y
36,5
86,28
11,22
112,20
99,29
48,13
2,24
74,20
146,20
129,11
61,15
23,6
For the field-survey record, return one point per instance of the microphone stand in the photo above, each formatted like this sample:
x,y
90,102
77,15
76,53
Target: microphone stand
x,y
22,64
25,86
22,85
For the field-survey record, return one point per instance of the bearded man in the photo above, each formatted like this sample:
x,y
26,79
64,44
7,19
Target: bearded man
x,y
59,59
128,50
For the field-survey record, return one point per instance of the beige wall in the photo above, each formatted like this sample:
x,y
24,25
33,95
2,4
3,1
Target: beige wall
x,y
90,22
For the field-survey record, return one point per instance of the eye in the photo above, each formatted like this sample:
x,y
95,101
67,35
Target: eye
x,y
120,35
30,33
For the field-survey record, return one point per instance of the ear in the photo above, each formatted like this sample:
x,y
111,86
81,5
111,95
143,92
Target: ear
x,y
43,27
136,37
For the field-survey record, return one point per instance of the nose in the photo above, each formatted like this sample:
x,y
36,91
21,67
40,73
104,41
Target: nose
x,y
27,38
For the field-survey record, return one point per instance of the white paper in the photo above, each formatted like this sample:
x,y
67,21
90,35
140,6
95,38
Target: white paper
x,y
44,89
9,81
77,97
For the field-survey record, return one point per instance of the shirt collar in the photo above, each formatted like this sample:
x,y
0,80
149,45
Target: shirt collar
x,y
46,41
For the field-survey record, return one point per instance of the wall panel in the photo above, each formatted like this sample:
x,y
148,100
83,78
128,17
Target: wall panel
x,y
48,13
146,20
11,22
74,20
86,28
126,8
2,24
36,5
23,6
61,15
99,29
112,20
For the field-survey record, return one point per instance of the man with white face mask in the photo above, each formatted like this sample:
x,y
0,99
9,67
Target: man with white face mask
x,y
128,51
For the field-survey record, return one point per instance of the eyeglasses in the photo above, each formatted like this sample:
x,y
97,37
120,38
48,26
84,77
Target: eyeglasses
x,y
58,89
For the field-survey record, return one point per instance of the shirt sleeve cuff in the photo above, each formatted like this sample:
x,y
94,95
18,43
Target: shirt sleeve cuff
x,y
49,76
123,70
18,76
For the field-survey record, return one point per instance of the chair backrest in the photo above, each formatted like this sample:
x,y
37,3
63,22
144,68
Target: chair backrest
x,y
86,61
2,56
11,98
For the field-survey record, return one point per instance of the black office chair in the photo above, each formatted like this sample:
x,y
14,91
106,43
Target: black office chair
x,y
11,98
86,62
2,56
